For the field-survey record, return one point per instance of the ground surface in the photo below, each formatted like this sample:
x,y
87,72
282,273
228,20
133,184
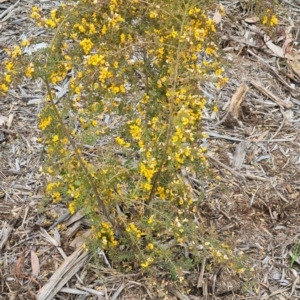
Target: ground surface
x,y
253,143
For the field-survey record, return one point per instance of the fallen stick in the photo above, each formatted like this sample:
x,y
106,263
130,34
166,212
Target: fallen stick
x,y
64,273
270,95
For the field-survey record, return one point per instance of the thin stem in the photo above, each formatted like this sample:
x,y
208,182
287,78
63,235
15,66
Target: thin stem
x,y
146,64
170,123
79,159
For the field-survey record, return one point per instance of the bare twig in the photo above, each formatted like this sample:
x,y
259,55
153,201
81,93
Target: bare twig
x,y
270,95
233,172
200,278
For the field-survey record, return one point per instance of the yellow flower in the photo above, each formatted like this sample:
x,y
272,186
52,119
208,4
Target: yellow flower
x,y
64,141
104,29
148,172
116,89
72,208
4,87
55,138
95,60
159,84
53,13
174,33
122,89
215,108
29,70
34,15
135,132
94,123
50,23
50,187
150,246
132,228
9,65
194,10
86,45
265,20
122,38
81,28
92,29
16,52
77,90
218,72
153,14
221,9
45,123
147,186
209,50
120,141
56,197
147,262
25,43
49,170
185,121
273,21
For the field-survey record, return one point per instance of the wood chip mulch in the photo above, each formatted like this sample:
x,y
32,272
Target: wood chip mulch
x,y
253,145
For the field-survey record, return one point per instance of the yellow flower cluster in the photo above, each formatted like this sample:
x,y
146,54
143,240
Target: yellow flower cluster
x,y
53,20
269,19
121,142
56,197
52,189
29,70
148,170
51,186
4,88
106,235
72,207
135,129
44,123
147,263
133,229
86,45
221,253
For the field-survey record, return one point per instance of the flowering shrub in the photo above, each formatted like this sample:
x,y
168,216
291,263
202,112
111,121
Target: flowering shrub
x,y
123,139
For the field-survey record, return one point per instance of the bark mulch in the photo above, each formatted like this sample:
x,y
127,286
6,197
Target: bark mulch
x,y
253,145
